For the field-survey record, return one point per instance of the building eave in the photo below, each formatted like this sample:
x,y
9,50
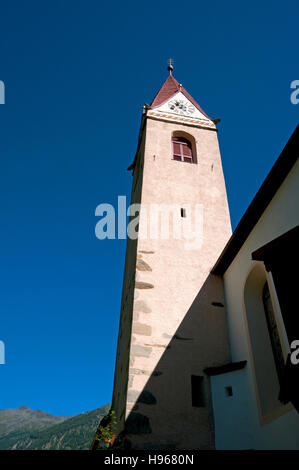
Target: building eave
x,y
265,194
226,368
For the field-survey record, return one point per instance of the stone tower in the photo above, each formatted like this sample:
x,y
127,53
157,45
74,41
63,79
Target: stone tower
x,y
172,323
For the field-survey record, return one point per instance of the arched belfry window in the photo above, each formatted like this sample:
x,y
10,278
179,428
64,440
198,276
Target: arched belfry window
x,y
182,150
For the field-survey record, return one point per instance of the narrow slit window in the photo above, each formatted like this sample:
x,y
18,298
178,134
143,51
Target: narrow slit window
x,y
229,391
197,390
183,212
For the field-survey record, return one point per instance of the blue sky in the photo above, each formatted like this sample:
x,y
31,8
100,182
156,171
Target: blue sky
x,y
76,75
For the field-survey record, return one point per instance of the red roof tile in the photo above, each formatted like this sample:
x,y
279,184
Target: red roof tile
x,y
169,89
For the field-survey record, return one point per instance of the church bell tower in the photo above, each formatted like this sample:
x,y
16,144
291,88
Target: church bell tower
x,y
172,323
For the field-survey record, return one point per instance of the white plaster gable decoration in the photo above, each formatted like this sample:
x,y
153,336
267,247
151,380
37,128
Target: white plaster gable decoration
x,y
180,105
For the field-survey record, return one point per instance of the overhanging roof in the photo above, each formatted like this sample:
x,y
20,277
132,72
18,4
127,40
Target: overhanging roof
x,y
229,367
265,194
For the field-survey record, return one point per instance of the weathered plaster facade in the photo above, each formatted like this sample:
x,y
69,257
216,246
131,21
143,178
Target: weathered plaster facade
x,y
173,321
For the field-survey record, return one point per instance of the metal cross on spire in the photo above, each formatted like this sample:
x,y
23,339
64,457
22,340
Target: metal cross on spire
x,y
170,64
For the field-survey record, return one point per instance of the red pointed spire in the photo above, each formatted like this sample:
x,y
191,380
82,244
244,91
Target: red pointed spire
x,y
170,87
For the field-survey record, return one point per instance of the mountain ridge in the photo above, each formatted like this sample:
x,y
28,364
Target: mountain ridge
x,y
22,428
13,419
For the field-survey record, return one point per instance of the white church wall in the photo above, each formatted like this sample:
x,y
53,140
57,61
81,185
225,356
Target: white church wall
x,y
281,429
233,414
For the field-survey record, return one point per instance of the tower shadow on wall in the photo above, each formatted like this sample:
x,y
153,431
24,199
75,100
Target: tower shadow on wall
x,y
174,408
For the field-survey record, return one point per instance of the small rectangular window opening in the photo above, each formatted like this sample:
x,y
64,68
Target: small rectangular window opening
x,y
197,390
183,212
229,391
